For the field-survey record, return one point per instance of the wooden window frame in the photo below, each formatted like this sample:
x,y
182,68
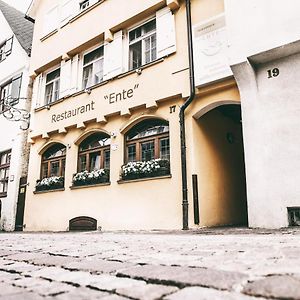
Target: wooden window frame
x,y
59,159
5,167
138,142
87,153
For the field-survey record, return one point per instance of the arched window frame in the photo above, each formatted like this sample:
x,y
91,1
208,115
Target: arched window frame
x,y
152,141
48,163
103,150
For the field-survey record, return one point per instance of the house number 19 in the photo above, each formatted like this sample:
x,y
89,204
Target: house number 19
x,y
273,73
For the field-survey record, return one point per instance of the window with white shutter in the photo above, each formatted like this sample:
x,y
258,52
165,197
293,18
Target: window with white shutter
x,y
113,56
65,78
52,86
142,45
166,36
93,67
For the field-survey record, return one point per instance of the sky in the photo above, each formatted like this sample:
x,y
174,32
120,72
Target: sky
x,y
21,5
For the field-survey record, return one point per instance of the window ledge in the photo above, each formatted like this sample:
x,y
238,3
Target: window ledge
x,y
49,191
3,195
143,179
48,35
76,187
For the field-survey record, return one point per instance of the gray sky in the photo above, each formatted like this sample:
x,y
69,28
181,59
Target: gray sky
x,y
21,5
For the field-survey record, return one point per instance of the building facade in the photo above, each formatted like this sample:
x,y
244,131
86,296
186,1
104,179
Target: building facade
x,y
105,134
15,46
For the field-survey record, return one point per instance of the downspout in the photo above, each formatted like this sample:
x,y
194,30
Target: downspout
x,y
185,203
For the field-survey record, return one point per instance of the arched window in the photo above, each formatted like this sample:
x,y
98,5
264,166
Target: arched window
x,y
94,153
148,140
53,161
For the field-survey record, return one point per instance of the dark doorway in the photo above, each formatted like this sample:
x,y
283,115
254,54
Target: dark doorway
x,y
21,204
222,180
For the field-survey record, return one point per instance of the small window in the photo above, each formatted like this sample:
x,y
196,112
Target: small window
x,y
94,153
52,86
10,93
93,68
4,172
84,4
53,161
148,140
142,45
294,216
6,48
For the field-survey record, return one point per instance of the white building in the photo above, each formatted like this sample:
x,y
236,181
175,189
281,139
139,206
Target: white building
x,y
15,46
264,50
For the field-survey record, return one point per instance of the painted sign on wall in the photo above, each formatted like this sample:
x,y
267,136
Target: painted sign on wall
x,y
210,51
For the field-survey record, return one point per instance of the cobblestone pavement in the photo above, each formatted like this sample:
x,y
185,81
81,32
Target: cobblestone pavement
x,y
205,264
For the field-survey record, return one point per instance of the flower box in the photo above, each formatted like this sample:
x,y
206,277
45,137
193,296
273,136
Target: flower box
x,y
50,183
145,169
90,178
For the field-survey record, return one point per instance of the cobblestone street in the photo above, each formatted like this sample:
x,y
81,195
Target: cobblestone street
x,y
203,264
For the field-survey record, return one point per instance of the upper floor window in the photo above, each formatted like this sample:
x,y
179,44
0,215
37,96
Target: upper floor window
x,y
10,93
4,172
148,140
6,48
84,4
52,86
142,45
93,68
53,161
94,153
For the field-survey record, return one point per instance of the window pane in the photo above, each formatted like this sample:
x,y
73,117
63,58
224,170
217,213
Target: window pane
x,y
95,160
134,34
95,141
98,71
87,76
54,168
53,75
147,149
44,170
5,186
2,174
106,159
150,48
131,153
135,55
56,90
150,26
55,151
63,165
147,128
82,163
90,57
165,149
49,92
2,186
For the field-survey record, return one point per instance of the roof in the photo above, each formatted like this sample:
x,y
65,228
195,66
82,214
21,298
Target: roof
x,y
22,28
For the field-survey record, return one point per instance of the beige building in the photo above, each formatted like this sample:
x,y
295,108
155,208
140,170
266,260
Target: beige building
x,y
110,78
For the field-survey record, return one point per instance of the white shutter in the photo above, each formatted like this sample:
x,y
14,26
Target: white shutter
x,y
36,91
51,20
74,74
113,56
68,9
65,78
166,36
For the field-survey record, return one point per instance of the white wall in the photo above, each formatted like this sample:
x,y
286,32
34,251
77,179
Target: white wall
x,y
263,35
254,26
11,135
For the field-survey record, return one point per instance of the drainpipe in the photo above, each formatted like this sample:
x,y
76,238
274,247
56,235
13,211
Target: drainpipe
x,y
185,203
